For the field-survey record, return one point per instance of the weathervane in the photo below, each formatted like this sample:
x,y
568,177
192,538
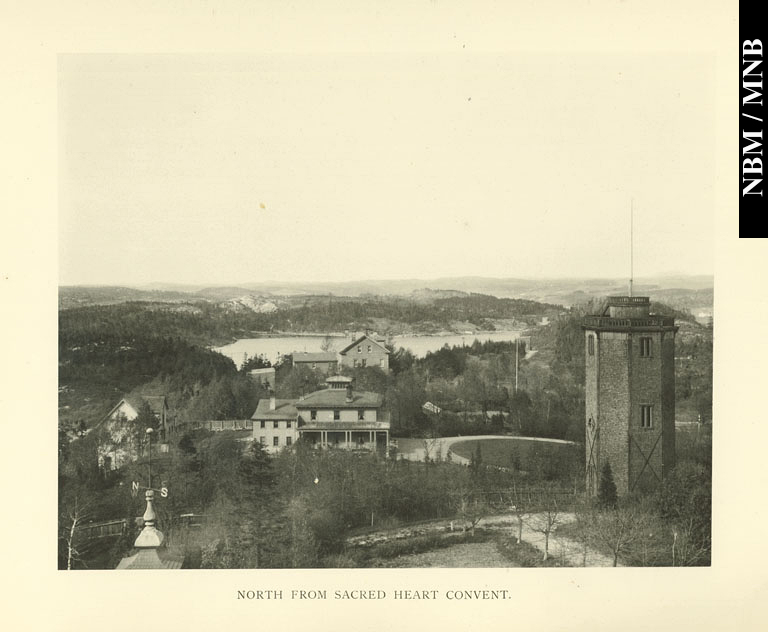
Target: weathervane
x,y
136,485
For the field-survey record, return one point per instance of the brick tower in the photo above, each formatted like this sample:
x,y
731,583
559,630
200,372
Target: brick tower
x,y
630,394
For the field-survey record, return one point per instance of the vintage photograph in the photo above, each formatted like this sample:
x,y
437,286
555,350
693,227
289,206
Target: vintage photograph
x,y
378,310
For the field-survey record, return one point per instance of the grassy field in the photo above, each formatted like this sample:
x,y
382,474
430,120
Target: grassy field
x,y
552,460
482,550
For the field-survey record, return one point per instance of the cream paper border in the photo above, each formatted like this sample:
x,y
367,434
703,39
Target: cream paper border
x,y
730,595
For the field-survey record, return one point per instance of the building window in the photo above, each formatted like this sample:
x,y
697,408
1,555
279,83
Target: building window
x,y
275,424
248,424
646,346
288,424
354,363
381,362
369,348
359,348
262,440
364,362
313,415
646,416
336,415
361,415
263,424
314,365
275,441
288,440
591,344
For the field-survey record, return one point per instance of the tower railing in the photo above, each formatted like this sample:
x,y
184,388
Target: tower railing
x,y
626,323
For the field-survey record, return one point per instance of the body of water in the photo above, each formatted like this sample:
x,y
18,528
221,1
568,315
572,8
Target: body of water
x,y
272,348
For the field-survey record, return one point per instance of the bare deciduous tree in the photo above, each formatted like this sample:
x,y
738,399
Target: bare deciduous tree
x,y
546,520
619,529
76,514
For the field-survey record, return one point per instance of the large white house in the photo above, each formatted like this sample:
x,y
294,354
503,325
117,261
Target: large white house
x,y
335,417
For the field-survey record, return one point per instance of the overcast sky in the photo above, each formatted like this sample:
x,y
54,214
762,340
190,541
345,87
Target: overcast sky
x,y
230,169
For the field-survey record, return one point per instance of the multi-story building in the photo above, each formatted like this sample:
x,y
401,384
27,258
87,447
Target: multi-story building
x,y
365,351
341,417
630,394
274,423
334,417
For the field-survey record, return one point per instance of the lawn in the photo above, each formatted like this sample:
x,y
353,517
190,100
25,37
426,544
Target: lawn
x,y
550,460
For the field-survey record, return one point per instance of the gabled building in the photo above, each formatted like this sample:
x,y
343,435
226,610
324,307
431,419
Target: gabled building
x,y
275,423
365,351
121,442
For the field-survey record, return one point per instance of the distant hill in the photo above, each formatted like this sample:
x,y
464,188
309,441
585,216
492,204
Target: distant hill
x,y
694,293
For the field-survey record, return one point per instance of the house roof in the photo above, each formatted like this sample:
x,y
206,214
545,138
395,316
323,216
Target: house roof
x,y
262,371
284,409
361,339
157,404
303,356
337,398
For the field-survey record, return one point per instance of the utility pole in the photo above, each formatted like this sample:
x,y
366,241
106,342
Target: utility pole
x,y
517,359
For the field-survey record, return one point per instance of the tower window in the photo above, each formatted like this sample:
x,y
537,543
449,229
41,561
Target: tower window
x,y
646,416
591,344
646,346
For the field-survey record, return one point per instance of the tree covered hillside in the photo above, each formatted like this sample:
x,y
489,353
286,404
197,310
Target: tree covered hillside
x,y
207,323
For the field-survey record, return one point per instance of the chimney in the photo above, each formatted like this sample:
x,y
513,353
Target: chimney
x,y
349,394
272,401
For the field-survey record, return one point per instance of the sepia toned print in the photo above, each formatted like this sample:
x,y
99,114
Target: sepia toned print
x,y
452,332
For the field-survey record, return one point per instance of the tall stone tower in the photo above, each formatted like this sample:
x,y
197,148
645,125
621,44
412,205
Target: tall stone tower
x,y
630,394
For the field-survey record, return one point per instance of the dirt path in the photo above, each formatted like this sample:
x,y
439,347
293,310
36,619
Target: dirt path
x,y
442,446
562,548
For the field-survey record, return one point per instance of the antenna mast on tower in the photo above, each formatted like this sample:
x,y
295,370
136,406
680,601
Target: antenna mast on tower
x,y
631,242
